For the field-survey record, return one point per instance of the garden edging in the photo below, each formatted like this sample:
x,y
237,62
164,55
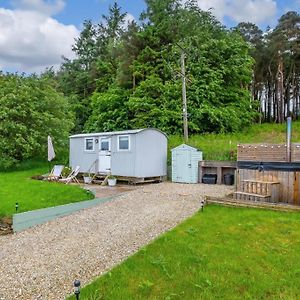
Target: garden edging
x,y
22,221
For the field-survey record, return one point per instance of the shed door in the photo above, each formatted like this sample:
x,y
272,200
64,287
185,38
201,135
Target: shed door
x,y
104,155
183,166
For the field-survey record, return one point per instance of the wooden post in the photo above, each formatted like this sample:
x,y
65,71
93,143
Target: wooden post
x,y
184,103
288,138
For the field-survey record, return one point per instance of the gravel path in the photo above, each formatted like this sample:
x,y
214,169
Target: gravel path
x,y
42,262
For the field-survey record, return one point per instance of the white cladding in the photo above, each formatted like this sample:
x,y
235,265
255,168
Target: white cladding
x,y
132,153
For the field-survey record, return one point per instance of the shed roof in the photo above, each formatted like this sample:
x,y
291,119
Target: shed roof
x,y
110,133
184,146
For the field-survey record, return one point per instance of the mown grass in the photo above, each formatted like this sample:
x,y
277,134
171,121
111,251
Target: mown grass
x,y
223,146
17,186
223,253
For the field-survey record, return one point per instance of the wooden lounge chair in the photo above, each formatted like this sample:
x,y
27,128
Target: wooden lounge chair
x,y
55,173
71,177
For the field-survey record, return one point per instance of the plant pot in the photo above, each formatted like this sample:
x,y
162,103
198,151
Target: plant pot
x,y
112,182
87,179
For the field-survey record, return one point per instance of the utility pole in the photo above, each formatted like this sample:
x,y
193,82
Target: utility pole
x,y
184,104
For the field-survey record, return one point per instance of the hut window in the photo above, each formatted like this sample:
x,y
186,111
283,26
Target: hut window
x,y
104,144
89,144
123,142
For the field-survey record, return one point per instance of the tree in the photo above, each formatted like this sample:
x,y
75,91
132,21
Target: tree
x,y
276,73
96,63
218,64
253,35
135,73
284,41
31,109
109,111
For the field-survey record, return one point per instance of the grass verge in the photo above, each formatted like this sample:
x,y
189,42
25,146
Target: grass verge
x,y
223,253
223,146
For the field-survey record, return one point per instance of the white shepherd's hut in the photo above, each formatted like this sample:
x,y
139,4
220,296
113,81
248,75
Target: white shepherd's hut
x,y
140,153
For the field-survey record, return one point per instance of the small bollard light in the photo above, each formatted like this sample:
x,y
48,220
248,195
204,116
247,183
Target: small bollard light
x,y
202,203
77,288
17,206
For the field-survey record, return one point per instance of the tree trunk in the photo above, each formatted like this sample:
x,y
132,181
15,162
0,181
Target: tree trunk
x,y
280,90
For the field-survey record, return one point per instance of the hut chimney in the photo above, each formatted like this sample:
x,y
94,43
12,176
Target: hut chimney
x,y
288,138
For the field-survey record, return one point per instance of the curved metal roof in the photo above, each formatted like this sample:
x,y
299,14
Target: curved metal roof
x,y
132,131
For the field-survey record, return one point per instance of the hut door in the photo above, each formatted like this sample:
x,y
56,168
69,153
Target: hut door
x,y
104,155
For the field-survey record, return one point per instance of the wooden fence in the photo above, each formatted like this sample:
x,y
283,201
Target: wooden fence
x,y
288,188
280,183
267,152
295,152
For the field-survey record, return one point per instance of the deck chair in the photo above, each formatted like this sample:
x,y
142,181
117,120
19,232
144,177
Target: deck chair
x,y
55,173
71,177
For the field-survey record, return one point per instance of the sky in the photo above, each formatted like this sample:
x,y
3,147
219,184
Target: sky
x,y
35,34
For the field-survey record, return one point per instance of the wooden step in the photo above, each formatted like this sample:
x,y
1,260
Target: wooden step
x,y
261,181
258,187
262,188
97,181
252,197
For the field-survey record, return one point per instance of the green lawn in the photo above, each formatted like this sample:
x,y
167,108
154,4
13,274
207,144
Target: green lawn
x,y
32,194
223,253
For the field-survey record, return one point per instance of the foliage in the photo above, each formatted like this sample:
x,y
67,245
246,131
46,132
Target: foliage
x,y
16,186
31,109
276,51
95,67
222,253
109,111
129,77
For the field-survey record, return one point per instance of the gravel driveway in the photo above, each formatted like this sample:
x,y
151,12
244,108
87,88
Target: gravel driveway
x,y
42,262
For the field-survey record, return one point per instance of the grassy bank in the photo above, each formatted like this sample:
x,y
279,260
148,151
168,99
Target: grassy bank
x,y
223,146
17,186
223,253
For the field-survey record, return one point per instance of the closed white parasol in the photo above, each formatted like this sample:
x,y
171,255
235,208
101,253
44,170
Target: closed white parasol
x,y
51,152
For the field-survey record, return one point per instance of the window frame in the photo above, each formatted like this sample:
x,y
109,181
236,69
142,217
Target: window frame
x,y
109,143
120,136
89,138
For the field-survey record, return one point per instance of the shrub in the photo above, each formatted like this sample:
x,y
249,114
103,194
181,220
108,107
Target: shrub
x,y
31,109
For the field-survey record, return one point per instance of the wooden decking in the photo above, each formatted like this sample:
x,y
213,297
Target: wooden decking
x,y
99,178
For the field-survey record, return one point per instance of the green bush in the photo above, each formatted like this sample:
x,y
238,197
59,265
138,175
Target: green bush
x,y
31,109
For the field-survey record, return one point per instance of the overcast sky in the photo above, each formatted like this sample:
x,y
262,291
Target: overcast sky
x,y
36,33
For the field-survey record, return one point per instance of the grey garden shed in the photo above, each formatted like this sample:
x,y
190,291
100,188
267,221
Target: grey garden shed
x,y
139,153
185,161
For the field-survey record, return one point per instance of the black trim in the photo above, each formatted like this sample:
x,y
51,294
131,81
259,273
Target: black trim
x,y
269,166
